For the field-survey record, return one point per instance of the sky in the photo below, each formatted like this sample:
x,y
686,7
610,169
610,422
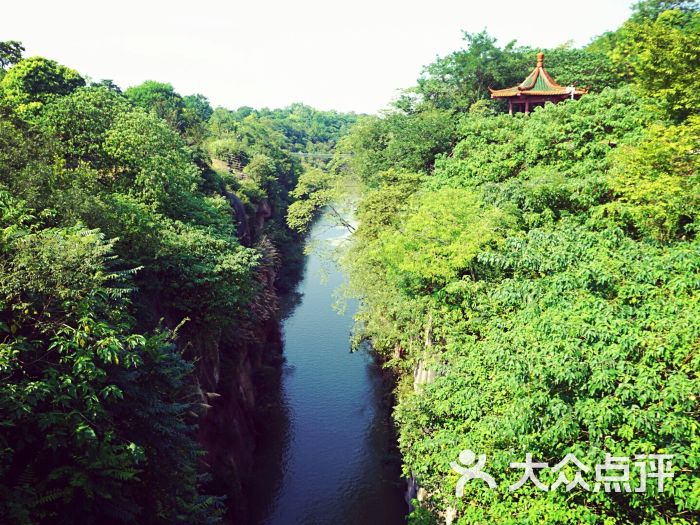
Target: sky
x,y
350,56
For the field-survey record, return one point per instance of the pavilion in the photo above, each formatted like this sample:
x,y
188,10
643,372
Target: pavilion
x,y
539,87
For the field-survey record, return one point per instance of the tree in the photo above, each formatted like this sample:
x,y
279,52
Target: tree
x,y
407,141
38,80
231,151
10,53
661,58
162,100
79,123
124,282
545,267
582,67
315,190
199,105
108,84
463,77
656,182
151,161
649,10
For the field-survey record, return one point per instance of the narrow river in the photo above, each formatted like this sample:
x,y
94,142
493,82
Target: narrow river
x,y
329,457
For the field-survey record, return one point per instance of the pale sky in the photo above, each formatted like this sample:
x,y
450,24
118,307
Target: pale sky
x,y
349,56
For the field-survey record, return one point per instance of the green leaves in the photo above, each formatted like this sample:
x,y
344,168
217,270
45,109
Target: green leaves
x,y
79,122
203,275
114,230
161,99
10,53
656,182
462,78
440,238
661,57
409,142
38,80
76,381
315,189
547,269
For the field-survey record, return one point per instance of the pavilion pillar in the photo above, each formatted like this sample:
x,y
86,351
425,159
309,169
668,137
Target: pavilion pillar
x,y
527,107
510,107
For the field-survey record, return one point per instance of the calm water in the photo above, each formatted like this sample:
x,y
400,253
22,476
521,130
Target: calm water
x,y
328,457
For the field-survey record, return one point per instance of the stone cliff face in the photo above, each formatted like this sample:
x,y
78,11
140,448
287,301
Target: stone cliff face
x,y
234,369
230,386
247,228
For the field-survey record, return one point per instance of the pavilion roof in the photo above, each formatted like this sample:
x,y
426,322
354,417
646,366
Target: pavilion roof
x,y
537,83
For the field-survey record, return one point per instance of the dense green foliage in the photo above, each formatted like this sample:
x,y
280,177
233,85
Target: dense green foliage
x,y
125,268
660,57
37,80
93,412
10,53
545,266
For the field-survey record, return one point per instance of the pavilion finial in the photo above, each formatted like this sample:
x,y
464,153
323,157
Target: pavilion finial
x,y
540,59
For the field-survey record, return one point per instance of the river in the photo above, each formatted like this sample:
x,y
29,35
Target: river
x,y
328,455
